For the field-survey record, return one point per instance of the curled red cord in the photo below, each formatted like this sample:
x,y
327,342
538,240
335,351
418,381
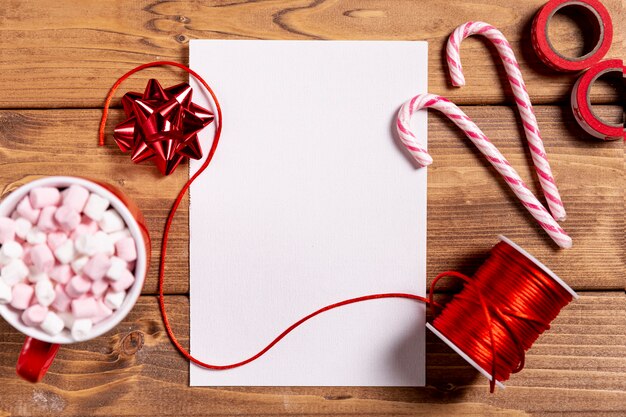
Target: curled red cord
x,y
523,299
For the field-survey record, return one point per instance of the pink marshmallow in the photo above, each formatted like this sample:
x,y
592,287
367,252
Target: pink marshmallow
x,y
44,196
67,218
26,253
61,300
22,294
7,229
102,312
25,210
61,273
77,286
42,257
124,282
126,249
97,266
75,197
56,239
84,308
46,221
34,315
99,287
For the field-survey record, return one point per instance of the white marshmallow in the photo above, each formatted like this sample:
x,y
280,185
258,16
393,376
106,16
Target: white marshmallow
x,y
14,272
35,275
114,299
111,222
84,244
95,207
103,243
11,250
52,324
118,265
81,329
35,236
6,295
65,253
68,319
115,236
22,227
78,264
44,292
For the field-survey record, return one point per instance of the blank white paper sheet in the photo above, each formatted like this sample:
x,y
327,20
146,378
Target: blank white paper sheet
x,y
309,200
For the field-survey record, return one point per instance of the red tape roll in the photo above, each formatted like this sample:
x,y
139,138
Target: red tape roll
x,y
581,105
601,28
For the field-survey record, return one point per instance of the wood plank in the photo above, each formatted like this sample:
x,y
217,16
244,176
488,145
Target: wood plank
x,y
577,367
68,54
468,205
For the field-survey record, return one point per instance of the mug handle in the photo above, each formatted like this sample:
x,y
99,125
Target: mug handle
x,y
35,359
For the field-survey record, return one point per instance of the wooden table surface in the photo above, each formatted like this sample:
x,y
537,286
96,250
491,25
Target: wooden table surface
x,y
57,62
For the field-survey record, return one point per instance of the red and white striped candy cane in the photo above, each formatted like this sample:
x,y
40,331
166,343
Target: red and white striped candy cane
x,y
540,159
493,155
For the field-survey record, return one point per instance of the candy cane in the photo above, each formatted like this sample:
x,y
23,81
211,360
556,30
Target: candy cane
x,y
540,159
499,162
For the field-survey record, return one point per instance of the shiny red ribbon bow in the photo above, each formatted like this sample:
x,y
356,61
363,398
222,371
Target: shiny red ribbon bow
x,y
162,124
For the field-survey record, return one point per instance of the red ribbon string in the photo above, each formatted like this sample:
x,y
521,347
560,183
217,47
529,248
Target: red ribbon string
x,y
495,319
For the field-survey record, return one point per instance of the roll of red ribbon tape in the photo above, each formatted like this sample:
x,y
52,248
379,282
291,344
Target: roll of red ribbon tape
x,y
581,105
600,27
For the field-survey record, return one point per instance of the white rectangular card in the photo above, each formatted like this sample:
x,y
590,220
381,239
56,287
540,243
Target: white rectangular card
x,y
309,200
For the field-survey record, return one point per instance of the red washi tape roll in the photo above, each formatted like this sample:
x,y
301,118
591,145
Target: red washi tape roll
x,y
581,105
600,27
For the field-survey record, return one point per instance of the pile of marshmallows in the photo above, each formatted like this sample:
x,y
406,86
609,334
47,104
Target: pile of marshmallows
x,y
66,260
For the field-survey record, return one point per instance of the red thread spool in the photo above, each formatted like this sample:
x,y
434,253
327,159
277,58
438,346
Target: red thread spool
x,y
510,301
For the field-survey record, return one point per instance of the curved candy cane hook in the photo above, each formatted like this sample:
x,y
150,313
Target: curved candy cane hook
x,y
499,162
531,128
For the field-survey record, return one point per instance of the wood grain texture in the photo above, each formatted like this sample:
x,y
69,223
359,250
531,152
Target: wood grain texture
x,y
468,204
68,54
576,368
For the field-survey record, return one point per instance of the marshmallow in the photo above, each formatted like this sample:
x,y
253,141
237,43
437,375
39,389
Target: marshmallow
x,y
111,222
61,299
115,236
41,197
75,197
35,236
7,229
95,207
21,295
55,240
46,221
22,227
61,273
124,282
6,294
42,258
114,299
68,319
126,249
44,292
102,312
117,268
79,263
34,315
86,245
84,307
97,266
81,329
52,324
99,287
11,250
65,253
14,271
25,210
67,218
77,286
35,275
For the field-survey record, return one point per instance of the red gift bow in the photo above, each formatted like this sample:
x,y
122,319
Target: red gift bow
x,y
162,124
